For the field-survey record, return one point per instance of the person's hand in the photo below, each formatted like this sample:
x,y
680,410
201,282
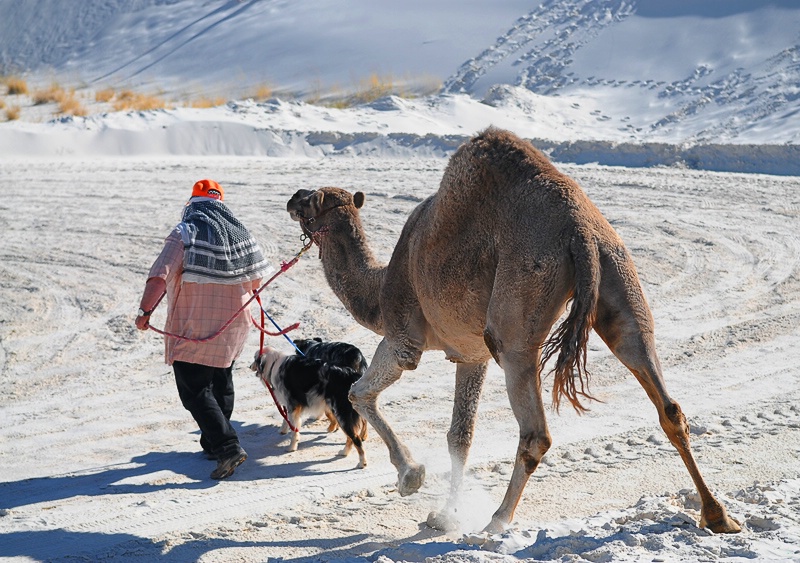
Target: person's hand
x,y
142,321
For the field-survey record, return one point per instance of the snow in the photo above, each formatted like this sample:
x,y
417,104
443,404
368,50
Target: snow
x,y
100,461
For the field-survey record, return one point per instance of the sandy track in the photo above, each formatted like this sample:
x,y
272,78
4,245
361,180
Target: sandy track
x,y
97,452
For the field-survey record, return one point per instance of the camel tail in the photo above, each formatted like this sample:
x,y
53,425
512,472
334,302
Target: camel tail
x,y
571,378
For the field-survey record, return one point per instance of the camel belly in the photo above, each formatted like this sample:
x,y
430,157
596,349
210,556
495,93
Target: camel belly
x,y
456,318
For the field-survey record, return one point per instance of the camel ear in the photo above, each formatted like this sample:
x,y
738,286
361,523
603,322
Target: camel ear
x,y
315,201
358,199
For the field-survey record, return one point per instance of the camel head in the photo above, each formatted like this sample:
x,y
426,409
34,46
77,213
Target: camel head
x,y
312,207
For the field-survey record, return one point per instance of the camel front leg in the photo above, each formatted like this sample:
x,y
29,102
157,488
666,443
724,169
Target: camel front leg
x,y
469,383
382,372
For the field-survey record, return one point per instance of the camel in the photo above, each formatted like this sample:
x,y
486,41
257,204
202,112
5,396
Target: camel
x,y
482,270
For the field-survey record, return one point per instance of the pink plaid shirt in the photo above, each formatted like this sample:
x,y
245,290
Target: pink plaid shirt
x,y
197,310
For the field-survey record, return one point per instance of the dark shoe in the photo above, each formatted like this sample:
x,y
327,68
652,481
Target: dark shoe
x,y
226,465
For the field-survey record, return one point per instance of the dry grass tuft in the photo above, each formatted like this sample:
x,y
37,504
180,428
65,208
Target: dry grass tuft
x,y
208,102
69,105
16,86
129,100
67,100
375,87
263,92
52,94
13,113
104,96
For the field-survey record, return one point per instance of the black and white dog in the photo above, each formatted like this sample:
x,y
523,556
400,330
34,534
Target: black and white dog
x,y
315,384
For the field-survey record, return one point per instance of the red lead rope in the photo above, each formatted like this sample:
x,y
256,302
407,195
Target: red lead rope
x,y
256,296
264,379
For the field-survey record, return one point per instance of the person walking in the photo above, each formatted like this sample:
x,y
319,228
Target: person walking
x,y
208,267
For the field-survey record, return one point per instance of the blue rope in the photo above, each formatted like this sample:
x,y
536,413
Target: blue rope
x,y
286,336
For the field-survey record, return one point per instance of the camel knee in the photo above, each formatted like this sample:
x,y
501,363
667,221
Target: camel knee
x,y
360,396
408,357
532,448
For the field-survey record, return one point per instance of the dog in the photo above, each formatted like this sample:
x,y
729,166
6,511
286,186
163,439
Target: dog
x,y
339,354
317,383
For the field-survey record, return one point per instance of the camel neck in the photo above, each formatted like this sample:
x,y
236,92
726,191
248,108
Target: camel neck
x,y
353,274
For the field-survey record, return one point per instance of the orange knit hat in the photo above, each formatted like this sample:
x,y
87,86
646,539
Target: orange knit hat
x,y
208,188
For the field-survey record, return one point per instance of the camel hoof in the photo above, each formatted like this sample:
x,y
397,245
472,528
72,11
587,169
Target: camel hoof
x,y
444,521
410,481
496,526
723,525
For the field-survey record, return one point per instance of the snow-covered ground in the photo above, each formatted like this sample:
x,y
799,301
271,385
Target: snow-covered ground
x,y
99,460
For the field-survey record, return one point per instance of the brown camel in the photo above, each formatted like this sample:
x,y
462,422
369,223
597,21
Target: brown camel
x,y
483,269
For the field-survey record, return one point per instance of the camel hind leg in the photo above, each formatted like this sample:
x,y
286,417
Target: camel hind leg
x,y
525,304
382,372
625,323
523,384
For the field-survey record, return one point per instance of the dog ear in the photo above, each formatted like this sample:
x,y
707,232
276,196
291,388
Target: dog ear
x,y
258,364
318,339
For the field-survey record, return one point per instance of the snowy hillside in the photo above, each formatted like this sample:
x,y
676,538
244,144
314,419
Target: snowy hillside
x,y
630,82
707,71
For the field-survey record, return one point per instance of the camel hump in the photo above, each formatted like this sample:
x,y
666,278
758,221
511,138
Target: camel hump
x,y
504,148
504,175
571,379
503,155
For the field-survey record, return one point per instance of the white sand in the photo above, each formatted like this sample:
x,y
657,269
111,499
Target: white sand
x,y
98,459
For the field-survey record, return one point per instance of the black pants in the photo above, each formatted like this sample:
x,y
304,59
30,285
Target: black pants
x,y
207,393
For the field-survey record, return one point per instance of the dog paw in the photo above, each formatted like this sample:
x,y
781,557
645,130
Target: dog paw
x,y
343,452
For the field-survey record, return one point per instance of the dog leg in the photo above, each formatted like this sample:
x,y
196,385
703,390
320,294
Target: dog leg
x,y
285,427
333,424
347,447
353,430
294,418
362,457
